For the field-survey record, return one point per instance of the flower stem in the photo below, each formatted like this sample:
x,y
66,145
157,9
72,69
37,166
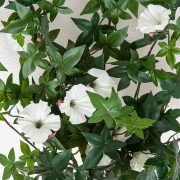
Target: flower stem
x,y
137,90
139,83
169,140
152,47
20,134
101,20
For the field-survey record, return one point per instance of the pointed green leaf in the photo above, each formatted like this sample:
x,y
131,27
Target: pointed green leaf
x,y
61,160
91,7
72,57
22,10
2,68
11,155
116,38
28,68
93,158
3,160
94,139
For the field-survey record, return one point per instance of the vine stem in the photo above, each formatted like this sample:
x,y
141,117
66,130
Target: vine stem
x,y
168,141
139,83
101,20
14,129
137,90
152,47
20,134
94,52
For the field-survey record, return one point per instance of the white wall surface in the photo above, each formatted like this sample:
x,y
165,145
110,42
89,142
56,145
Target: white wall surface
x,y
9,58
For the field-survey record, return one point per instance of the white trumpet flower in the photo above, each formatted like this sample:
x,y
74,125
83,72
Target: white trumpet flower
x,y
77,104
37,122
103,84
154,18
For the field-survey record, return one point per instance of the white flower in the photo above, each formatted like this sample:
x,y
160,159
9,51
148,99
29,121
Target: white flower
x,y
103,84
121,137
77,104
37,122
154,18
139,158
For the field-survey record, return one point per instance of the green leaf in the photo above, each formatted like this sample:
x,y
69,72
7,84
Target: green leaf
x,y
91,7
1,117
61,160
61,77
2,68
97,116
125,15
79,176
11,155
65,10
93,158
134,124
25,149
113,146
116,38
82,24
163,75
98,62
176,50
150,107
2,2
172,86
144,123
56,57
139,133
7,172
15,27
72,57
170,58
133,7
20,164
123,83
53,34
94,139
162,53
20,39
107,110
3,160
96,99
151,175
22,10
110,4
28,68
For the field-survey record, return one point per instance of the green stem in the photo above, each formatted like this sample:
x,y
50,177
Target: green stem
x,y
101,20
94,52
137,91
139,83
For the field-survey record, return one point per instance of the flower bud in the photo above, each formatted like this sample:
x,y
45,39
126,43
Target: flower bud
x,y
51,136
151,34
59,102
39,40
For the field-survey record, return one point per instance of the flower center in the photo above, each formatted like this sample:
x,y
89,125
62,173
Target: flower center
x,y
92,85
159,22
39,124
72,103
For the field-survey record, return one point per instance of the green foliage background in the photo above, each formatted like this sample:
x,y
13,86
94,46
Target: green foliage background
x,y
146,118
